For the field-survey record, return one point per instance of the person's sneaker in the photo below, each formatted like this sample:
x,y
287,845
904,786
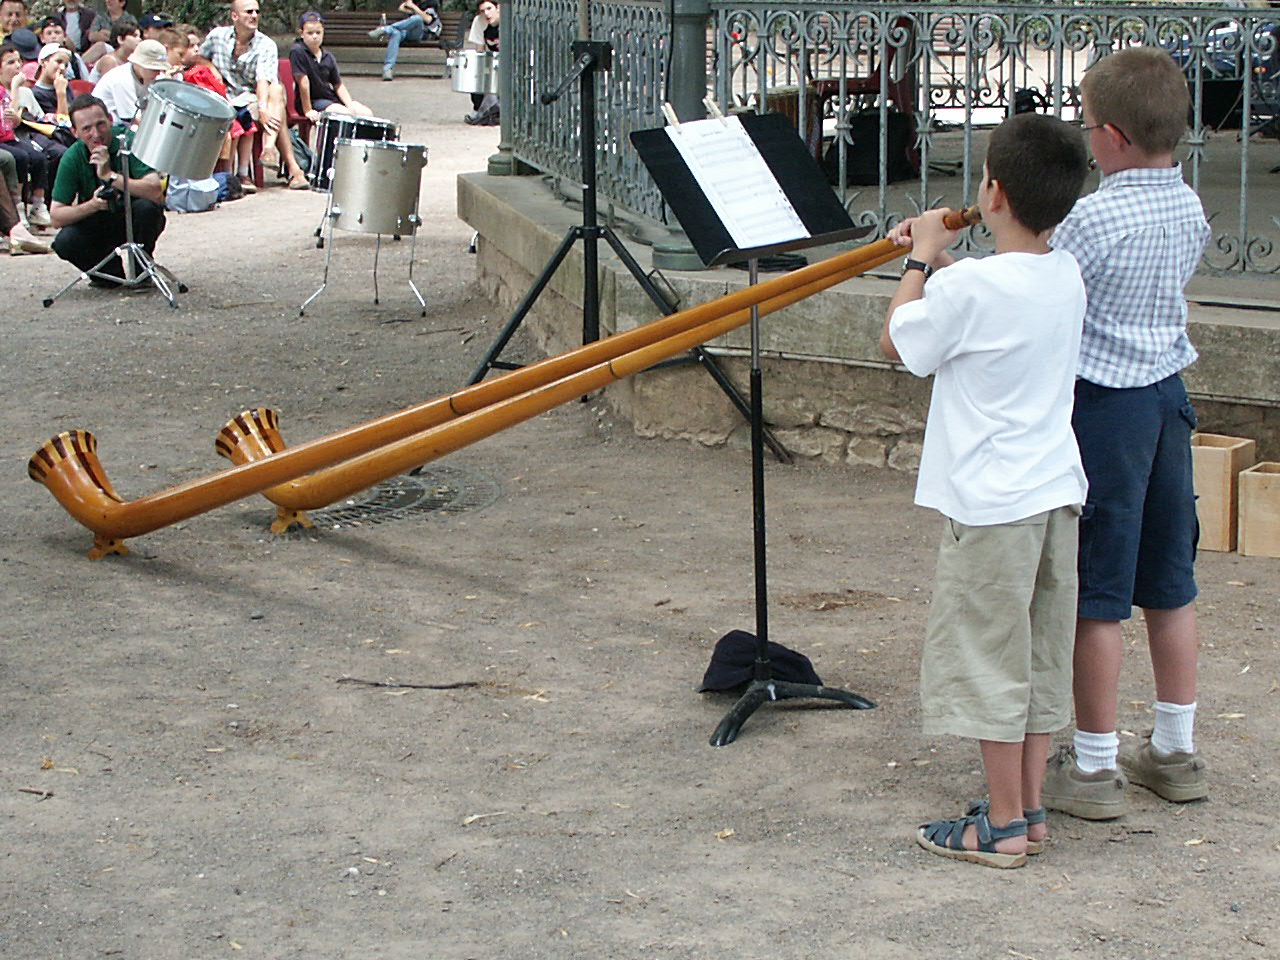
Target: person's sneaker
x,y
38,215
1178,777
1089,796
375,33
386,74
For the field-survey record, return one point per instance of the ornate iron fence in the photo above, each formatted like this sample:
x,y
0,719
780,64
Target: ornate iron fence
x,y
897,98
535,41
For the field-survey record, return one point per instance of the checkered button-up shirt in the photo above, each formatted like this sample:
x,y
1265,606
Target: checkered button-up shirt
x,y
1138,239
242,74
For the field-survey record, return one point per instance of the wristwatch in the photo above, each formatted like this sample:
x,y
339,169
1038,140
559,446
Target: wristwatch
x,y
920,265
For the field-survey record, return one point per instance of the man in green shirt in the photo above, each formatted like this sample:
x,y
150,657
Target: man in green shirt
x,y
88,195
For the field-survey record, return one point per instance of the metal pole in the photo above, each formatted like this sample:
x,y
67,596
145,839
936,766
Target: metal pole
x,y
687,84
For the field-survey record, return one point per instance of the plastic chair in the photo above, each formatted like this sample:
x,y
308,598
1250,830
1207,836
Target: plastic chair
x,y
79,87
292,116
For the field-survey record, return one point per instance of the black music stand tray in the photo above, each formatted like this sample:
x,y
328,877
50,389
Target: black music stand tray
x,y
826,221
138,266
590,56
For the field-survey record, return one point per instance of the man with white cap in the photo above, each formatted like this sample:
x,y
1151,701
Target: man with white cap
x,y
122,86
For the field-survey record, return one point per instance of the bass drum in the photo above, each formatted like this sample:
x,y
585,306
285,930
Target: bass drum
x,y
375,186
472,71
181,129
333,127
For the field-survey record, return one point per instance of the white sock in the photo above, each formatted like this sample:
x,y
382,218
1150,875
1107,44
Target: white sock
x,y
242,171
1096,751
1174,725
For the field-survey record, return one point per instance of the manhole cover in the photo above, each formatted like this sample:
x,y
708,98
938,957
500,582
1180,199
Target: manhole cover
x,y
437,489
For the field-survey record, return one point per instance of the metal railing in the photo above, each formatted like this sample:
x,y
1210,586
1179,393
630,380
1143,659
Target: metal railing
x,y
897,98
629,97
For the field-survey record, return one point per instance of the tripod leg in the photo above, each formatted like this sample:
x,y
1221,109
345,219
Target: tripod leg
x,y
526,305
646,284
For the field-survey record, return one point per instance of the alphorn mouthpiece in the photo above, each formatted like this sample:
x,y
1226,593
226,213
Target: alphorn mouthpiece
x,y
959,219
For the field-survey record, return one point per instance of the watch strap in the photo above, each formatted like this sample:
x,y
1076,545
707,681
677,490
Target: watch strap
x,y
913,264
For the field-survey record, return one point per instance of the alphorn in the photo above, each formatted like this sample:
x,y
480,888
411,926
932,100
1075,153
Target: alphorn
x,y
69,467
254,434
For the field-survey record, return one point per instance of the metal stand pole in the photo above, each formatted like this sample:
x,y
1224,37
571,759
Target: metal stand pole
x,y
763,688
137,264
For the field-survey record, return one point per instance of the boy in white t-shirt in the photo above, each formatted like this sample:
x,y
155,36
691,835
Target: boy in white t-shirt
x,y
1001,335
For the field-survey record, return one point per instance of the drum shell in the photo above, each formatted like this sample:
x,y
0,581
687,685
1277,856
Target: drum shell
x,y
473,71
333,127
375,186
181,129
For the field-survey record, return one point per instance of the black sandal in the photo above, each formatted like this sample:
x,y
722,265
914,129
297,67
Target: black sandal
x,y
946,838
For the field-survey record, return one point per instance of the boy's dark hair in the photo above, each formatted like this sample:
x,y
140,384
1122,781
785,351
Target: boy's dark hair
x,y
7,48
1141,91
122,28
83,102
1040,163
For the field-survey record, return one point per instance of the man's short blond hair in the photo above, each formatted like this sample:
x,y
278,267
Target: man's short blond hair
x,y
1143,92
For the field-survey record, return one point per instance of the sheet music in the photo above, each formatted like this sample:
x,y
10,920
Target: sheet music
x,y
737,182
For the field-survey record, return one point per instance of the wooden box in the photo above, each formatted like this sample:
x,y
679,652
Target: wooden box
x,y
1260,510
1218,461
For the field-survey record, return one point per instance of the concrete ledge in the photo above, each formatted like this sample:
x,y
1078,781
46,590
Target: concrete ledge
x,y
828,392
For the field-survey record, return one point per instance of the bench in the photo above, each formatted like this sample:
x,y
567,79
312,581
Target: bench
x,y
346,35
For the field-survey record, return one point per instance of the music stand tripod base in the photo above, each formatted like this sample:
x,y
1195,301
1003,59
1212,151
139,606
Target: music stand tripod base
x,y
760,692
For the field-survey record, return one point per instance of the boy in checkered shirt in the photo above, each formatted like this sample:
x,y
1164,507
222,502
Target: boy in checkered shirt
x,y
1138,239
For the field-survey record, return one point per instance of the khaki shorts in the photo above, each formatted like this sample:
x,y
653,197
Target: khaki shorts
x,y
997,654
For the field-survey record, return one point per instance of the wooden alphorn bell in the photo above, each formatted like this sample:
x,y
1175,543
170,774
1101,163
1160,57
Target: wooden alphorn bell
x,y
68,465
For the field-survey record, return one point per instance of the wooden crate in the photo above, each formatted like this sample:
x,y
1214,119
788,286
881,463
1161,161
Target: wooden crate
x,y
1260,510
1218,461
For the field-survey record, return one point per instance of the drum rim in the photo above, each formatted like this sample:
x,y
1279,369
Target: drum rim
x,y
380,144
158,88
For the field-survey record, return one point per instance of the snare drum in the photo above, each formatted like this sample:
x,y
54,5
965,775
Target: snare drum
x,y
375,186
181,129
473,71
340,126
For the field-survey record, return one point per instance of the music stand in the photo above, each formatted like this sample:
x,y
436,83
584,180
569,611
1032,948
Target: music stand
x,y
698,168
138,265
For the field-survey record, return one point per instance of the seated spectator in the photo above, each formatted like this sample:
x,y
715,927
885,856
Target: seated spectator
x,y
13,16
116,13
18,237
121,89
483,35
421,22
50,31
152,23
88,196
125,38
32,165
51,83
83,25
39,123
249,63
317,84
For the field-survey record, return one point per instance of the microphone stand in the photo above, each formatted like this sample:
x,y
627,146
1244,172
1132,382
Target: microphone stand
x,y
138,266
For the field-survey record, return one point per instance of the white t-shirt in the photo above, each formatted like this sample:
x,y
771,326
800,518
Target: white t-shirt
x,y
1002,336
119,89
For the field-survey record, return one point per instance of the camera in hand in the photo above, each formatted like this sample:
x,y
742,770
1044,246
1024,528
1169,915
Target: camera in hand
x,y
112,196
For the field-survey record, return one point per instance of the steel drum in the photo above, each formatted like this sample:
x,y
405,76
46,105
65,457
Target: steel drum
x,y
375,186
334,127
473,71
181,129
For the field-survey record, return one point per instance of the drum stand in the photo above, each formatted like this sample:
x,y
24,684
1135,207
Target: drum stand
x,y
592,55
330,216
139,268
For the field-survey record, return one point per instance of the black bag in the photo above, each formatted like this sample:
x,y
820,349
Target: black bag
x,y
862,156
301,152
1029,100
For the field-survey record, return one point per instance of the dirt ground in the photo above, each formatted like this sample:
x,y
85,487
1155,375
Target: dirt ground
x,y
184,773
